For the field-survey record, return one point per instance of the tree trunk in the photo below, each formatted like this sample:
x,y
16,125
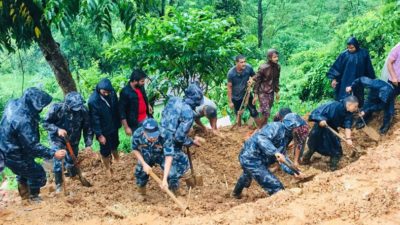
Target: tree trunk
x,y
260,23
163,4
58,63
51,50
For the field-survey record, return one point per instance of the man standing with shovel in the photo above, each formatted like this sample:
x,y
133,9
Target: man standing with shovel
x,y
65,123
239,77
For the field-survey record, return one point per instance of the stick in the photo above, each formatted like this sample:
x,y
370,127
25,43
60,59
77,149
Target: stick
x,y
170,194
226,183
355,150
243,105
63,177
189,195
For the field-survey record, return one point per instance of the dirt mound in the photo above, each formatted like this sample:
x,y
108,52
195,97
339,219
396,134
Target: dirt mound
x,y
365,191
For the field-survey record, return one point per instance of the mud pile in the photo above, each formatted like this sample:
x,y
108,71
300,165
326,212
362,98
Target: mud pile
x,y
366,190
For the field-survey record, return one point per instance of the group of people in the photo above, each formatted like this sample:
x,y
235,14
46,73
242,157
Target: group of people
x,y
164,143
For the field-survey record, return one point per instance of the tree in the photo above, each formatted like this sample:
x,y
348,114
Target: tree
x,y
227,8
260,24
30,21
180,47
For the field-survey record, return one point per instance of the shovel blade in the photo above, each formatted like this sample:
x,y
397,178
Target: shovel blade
x,y
373,134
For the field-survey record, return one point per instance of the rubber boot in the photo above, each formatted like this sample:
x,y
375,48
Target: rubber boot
x,y
334,163
34,196
58,180
237,191
307,157
107,166
385,127
23,190
115,155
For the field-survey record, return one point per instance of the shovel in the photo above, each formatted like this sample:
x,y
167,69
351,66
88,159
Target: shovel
x,y
184,209
82,179
63,178
354,148
297,171
194,178
370,131
242,107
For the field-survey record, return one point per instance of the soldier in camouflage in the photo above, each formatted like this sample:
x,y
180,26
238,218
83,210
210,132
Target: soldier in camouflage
x,y
263,149
68,119
147,146
20,142
177,119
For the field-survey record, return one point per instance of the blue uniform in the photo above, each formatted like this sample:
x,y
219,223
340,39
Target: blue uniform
x,y
321,139
72,116
258,153
152,153
20,138
177,119
380,97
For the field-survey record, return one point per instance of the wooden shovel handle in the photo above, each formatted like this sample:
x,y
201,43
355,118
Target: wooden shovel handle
x,y
336,133
169,193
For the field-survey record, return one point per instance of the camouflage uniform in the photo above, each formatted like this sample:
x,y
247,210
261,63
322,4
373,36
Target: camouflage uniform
x,y
258,153
177,119
20,139
72,116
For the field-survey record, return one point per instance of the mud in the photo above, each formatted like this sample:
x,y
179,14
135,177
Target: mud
x,y
365,190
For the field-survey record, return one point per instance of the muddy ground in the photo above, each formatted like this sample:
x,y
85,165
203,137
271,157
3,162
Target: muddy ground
x,y
366,190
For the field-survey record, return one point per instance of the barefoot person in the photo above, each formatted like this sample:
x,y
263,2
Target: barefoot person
x,y
238,80
266,87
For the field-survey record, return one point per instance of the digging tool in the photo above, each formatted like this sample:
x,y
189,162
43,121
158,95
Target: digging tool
x,y
242,107
184,209
194,179
82,179
370,131
63,177
297,171
354,148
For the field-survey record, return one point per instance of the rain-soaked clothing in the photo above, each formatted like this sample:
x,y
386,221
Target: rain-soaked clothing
x,y
321,139
380,97
20,138
72,116
258,153
177,119
104,116
348,67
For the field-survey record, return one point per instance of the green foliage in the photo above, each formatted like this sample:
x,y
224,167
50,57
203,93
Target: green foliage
x,y
180,47
377,31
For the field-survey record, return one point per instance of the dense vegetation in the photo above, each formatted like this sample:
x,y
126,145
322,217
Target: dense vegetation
x,y
178,41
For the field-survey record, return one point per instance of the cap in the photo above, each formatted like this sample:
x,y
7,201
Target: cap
x,y
150,126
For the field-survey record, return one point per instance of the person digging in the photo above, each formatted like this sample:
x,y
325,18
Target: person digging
x,y
333,114
263,149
